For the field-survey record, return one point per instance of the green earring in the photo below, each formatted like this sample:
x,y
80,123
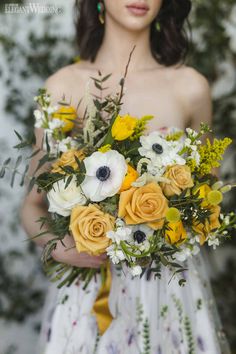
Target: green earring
x,y
158,26
101,8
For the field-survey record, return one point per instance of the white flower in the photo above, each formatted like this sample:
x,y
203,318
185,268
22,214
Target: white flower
x,y
52,109
62,200
116,255
141,235
155,170
213,241
161,152
195,156
55,124
183,255
47,98
226,219
121,234
191,132
38,114
194,239
67,144
104,174
187,142
120,222
136,270
186,253
195,250
39,118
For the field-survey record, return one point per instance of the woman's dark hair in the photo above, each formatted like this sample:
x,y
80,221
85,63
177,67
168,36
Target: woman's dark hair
x,y
169,45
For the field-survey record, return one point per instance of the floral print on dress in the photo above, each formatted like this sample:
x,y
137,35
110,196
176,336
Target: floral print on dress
x,y
155,316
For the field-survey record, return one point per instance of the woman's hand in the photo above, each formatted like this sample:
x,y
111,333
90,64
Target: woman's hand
x,y
70,255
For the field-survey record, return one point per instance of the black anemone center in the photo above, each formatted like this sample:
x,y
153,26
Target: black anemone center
x,y
139,236
157,148
103,173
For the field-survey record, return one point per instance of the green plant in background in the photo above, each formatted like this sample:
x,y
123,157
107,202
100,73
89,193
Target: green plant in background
x,y
42,54
29,63
212,47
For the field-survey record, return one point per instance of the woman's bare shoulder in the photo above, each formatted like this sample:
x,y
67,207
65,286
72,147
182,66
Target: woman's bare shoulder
x,y
192,82
195,92
63,79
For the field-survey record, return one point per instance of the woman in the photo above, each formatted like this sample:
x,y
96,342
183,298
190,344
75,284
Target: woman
x,y
150,316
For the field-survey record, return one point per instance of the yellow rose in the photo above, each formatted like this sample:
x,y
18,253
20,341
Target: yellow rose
x,y
130,177
179,179
67,114
67,159
176,233
204,229
146,204
123,127
89,225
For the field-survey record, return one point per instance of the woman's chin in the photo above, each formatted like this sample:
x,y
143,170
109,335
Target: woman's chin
x,y
135,24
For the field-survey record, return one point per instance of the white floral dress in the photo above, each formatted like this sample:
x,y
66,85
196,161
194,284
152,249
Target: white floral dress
x,y
155,316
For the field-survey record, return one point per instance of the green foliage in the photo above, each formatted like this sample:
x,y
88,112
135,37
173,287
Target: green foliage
x,y
38,62
18,298
65,275
211,48
146,337
97,340
139,311
189,335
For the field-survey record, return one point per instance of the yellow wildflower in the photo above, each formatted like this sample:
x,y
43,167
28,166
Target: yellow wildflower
x,y
211,154
175,136
191,163
140,127
105,148
123,127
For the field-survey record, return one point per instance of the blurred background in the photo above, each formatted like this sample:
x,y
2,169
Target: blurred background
x,y
35,41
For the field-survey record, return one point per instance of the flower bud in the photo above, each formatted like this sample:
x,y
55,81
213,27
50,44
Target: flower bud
x,y
173,215
217,185
214,197
226,189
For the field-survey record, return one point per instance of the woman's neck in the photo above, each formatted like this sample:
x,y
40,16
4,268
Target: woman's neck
x,y
117,45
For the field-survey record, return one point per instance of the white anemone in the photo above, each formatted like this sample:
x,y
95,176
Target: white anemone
x,y
104,175
160,151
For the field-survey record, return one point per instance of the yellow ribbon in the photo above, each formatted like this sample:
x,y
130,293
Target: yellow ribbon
x,y
100,307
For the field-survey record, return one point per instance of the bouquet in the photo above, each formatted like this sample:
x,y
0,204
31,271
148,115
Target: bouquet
x,y
145,200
